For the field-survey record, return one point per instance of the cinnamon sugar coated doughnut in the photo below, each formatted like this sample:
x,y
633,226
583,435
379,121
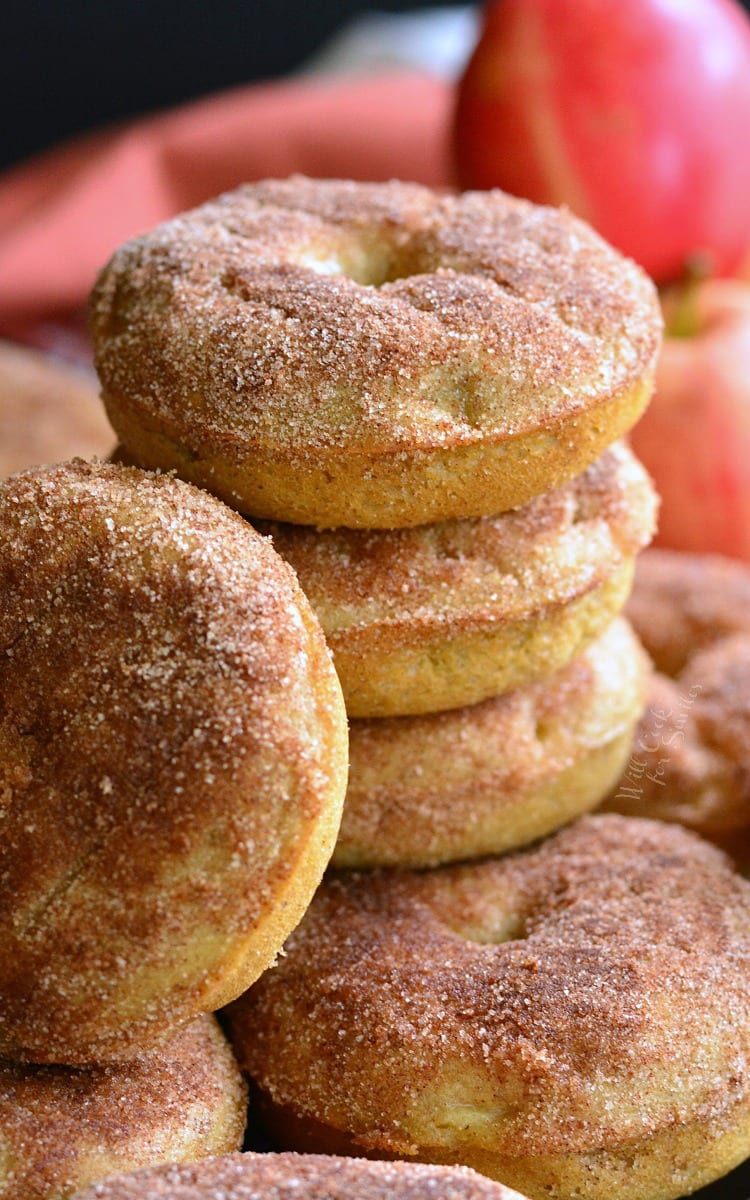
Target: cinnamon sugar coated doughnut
x,y
573,1020
48,411
300,1177
173,753
445,615
690,759
683,603
481,780
372,354
63,1128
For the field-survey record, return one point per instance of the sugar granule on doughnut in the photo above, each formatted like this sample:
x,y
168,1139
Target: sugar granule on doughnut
x,y
490,778
573,1020
445,615
372,355
690,759
173,752
63,1128
300,1177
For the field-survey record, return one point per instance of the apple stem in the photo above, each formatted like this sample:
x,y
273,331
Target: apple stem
x,y
680,301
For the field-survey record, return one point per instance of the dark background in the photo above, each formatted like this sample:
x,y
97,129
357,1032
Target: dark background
x,y
69,65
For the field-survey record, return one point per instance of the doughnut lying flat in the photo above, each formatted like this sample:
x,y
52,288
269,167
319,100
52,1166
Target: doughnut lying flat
x,y
62,1128
690,759
573,1020
48,411
372,355
486,779
300,1177
172,759
421,620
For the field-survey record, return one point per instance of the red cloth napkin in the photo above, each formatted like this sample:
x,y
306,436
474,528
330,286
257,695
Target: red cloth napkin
x,y
62,214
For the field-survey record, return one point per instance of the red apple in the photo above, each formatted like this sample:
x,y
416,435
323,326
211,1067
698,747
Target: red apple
x,y
634,113
695,437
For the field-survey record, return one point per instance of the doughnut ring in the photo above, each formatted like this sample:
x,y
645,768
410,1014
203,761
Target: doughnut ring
x,y
372,354
486,779
573,1020
442,616
300,1177
690,759
63,1128
173,752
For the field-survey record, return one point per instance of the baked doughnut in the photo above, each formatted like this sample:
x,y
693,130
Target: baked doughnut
x,y
682,603
690,759
173,751
446,615
62,1128
48,411
481,780
300,1177
573,1020
372,354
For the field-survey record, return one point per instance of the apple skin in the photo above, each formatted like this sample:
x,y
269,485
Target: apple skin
x,y
634,113
694,439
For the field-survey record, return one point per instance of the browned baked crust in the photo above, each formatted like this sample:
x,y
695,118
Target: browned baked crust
x,y
372,355
173,754
573,1019
486,779
445,615
690,759
63,1128
301,1177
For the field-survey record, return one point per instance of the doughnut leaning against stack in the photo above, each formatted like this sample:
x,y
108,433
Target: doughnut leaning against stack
x,y
173,759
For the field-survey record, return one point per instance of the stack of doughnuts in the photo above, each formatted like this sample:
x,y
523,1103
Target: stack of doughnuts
x,y
418,401
419,397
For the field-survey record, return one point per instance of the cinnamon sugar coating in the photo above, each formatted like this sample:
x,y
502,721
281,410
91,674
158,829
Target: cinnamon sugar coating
x,y
690,759
445,615
63,1128
486,779
172,759
300,1177
572,1020
372,355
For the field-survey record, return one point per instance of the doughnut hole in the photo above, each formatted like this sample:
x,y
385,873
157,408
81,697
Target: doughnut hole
x,y
484,918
